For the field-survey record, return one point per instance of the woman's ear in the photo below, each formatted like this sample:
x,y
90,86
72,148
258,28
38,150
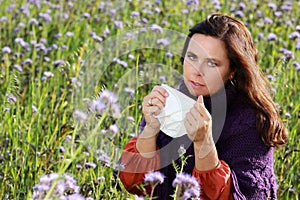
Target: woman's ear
x,y
231,75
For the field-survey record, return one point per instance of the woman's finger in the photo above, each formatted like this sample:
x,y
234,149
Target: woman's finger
x,y
199,105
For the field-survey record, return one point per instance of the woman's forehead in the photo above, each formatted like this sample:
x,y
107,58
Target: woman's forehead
x,y
207,46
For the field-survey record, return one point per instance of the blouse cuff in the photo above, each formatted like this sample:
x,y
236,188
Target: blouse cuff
x,y
136,166
215,183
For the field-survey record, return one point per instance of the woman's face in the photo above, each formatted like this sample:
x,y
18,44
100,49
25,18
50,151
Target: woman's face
x,y
206,65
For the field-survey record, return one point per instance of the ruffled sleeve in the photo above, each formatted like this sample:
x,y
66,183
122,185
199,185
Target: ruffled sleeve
x,y
136,166
215,183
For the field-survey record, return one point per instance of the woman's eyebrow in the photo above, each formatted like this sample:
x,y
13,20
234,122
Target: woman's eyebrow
x,y
213,59
207,58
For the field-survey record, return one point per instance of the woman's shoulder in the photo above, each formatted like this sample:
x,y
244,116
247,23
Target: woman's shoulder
x,y
242,118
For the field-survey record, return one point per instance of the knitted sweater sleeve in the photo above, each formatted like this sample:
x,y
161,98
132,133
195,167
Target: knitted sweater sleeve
x,y
250,160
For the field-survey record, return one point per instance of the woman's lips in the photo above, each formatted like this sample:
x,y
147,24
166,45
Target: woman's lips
x,y
196,85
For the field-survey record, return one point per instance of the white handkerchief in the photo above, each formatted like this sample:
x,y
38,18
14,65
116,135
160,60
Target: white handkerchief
x,y
172,116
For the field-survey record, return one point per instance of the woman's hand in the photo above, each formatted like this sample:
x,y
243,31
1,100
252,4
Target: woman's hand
x,y
153,104
198,124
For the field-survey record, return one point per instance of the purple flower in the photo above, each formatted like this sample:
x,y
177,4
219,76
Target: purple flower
x,y
297,28
18,67
33,21
106,31
90,165
86,15
268,20
130,118
3,18
217,7
75,81
185,11
62,149
169,54
157,10
272,37
75,196
78,166
188,186
287,7
34,109
37,3
24,9
64,46
135,14
43,40
181,150
45,16
119,24
101,178
297,65
10,8
48,74
130,56
104,159
97,38
242,6
119,166
154,178
121,62
63,184
156,28
278,14
297,47
97,106
239,13
271,77
144,20
163,41
6,49
27,61
58,62
272,6
116,111
69,34
260,35
259,13
11,98
294,35
114,128
108,96
273,90
287,54
57,35
80,116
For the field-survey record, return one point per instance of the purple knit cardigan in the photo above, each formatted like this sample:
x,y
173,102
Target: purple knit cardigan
x,y
237,143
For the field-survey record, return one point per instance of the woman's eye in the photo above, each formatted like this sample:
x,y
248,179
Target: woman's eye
x,y
211,63
192,57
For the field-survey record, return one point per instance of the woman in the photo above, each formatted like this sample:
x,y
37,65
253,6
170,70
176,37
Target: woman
x,y
233,157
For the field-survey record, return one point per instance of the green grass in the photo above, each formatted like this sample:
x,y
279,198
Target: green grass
x,y
31,141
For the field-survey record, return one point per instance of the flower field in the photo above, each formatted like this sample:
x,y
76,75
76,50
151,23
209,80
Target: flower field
x,y
73,75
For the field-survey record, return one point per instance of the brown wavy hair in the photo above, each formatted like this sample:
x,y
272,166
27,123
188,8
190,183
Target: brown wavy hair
x,y
248,78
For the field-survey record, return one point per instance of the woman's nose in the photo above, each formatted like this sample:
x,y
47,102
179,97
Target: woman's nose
x,y
198,70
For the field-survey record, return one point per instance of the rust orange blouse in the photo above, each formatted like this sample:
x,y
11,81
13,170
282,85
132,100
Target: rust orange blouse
x,y
215,183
